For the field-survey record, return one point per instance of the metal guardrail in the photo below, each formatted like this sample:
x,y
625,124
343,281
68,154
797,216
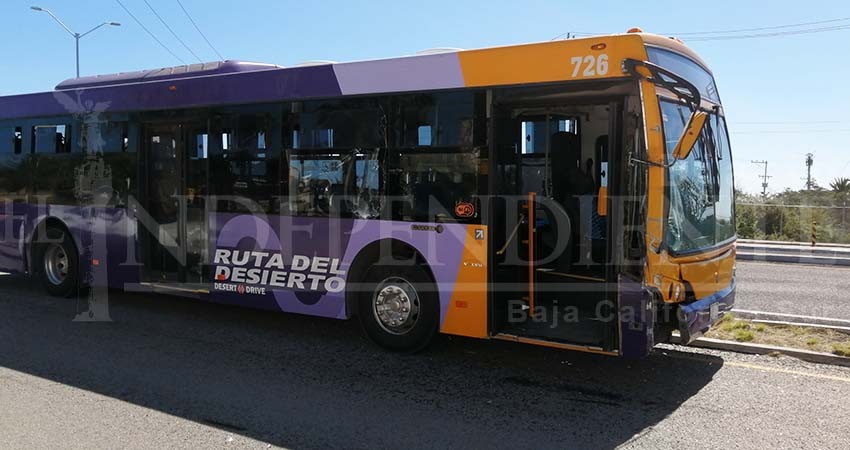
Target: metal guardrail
x,y
788,243
794,253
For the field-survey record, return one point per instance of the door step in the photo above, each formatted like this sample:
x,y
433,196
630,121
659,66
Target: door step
x,y
552,344
569,275
183,289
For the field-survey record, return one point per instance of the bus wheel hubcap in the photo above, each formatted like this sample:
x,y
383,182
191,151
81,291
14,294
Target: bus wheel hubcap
x,y
396,305
56,264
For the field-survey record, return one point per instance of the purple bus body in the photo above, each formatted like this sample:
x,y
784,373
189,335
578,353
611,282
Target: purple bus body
x,y
233,83
246,87
236,83
341,239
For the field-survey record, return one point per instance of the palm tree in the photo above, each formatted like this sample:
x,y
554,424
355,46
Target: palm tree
x,y
840,185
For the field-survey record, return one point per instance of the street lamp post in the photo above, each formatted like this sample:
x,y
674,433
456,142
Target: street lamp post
x,y
76,36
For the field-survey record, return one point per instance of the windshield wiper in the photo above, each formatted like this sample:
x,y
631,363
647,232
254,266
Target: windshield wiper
x,y
660,76
682,88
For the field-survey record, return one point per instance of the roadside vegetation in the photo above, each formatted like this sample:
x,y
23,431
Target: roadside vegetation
x,y
806,338
788,215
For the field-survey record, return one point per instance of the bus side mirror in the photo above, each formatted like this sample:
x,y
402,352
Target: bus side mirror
x,y
690,135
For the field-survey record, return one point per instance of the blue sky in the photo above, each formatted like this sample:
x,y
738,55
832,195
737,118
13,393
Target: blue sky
x,y
784,96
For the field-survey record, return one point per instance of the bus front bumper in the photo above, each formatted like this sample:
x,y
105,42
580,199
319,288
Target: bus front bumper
x,y
696,318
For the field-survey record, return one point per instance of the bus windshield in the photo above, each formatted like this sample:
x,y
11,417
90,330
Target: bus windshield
x,y
700,187
684,67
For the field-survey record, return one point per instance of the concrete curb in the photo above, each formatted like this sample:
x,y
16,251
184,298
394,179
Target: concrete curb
x,y
790,318
844,330
825,252
759,349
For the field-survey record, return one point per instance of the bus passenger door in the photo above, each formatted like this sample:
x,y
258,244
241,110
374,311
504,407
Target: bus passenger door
x,y
15,183
174,232
546,155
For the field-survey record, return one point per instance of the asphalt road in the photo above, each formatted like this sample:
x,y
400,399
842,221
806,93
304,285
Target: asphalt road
x,y
170,373
818,291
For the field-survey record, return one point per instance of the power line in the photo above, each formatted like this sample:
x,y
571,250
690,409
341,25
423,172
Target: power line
x,y
791,122
575,33
172,31
838,130
732,34
568,35
776,34
150,33
774,27
199,30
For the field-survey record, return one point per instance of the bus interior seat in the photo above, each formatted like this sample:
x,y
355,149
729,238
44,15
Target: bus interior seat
x,y
569,183
340,204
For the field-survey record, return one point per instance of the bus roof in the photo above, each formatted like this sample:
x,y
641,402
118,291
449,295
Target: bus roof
x,y
234,82
168,73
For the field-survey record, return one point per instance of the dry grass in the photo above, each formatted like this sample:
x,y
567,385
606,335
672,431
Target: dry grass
x,y
805,338
841,349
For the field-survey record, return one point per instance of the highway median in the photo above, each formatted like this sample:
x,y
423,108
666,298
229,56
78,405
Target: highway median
x,y
821,344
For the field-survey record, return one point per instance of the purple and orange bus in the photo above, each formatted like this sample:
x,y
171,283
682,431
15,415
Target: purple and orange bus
x,y
575,194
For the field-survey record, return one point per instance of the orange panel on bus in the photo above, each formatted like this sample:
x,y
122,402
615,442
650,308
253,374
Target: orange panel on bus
x,y
467,311
567,60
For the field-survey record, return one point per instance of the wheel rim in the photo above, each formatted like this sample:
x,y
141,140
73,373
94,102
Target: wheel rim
x,y
56,264
396,305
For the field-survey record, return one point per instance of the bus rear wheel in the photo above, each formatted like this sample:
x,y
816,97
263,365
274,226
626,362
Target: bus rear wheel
x,y
399,308
57,263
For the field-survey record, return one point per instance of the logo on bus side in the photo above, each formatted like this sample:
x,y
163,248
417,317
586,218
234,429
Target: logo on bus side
x,y
253,272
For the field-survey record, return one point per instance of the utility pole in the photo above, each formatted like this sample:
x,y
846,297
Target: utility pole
x,y
810,161
764,177
76,36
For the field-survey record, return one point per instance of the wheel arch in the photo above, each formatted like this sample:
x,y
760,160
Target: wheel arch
x,y
400,251
45,223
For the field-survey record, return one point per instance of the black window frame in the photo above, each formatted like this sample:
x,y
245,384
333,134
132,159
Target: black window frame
x,y
67,145
235,162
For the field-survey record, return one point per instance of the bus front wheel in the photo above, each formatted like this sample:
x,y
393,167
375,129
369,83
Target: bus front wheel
x,y
399,308
58,263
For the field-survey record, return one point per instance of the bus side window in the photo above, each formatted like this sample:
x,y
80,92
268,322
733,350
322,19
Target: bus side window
x,y
49,139
18,139
434,169
104,137
7,140
315,180
334,168
244,147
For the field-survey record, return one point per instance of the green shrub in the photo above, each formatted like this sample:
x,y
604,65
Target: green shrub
x,y
841,349
744,336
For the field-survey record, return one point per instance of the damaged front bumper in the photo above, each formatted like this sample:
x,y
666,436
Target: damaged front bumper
x,y
696,318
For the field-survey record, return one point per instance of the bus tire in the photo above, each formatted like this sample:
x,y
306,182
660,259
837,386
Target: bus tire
x,y
57,263
399,308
